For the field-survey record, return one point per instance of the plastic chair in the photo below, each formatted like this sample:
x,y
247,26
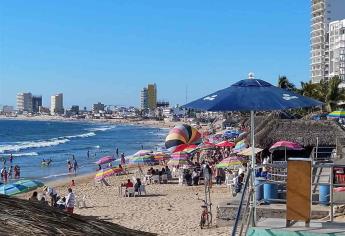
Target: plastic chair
x,y
130,191
155,179
165,179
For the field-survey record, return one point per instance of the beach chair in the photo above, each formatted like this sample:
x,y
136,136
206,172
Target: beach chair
x,y
81,203
130,192
155,179
181,180
165,179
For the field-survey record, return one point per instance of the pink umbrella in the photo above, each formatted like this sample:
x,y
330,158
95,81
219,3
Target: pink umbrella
x,y
285,145
225,144
105,160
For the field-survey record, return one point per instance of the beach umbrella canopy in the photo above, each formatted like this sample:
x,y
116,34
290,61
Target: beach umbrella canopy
x,y
225,144
105,173
240,146
249,151
179,158
285,145
184,147
20,186
161,156
230,162
252,95
143,152
105,160
206,146
142,160
182,134
337,114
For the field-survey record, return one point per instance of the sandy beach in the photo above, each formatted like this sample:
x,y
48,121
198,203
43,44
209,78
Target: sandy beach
x,y
168,209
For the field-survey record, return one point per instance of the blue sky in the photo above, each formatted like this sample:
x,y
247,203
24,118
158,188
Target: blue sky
x,y
108,50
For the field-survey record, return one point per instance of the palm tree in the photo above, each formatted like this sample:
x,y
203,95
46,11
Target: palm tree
x,y
334,94
284,83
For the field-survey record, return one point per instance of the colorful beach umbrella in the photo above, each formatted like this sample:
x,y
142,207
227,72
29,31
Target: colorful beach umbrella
x,y
143,152
161,156
18,187
206,146
230,162
249,151
285,145
225,144
105,173
183,147
182,134
179,159
337,114
142,160
241,145
105,160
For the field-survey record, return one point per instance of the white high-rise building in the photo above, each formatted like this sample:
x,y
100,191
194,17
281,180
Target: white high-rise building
x,y
144,99
24,102
322,13
337,49
56,104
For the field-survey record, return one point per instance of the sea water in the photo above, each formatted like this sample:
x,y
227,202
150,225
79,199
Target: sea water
x,y
32,141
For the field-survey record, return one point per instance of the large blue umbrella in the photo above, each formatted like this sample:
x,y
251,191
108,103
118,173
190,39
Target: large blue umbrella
x,y
252,95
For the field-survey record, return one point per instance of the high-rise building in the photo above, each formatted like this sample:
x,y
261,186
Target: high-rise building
x,y
337,49
96,108
322,13
56,104
143,99
36,103
24,102
152,96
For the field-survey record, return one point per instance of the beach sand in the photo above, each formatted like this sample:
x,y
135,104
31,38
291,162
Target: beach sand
x,y
168,209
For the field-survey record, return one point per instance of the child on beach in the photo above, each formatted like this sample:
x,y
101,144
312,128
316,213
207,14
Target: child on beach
x,y
70,201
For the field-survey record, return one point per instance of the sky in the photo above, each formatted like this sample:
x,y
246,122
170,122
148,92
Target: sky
x,y
108,50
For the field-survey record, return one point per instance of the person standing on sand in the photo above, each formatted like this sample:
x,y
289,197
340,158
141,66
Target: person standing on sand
x,y
75,166
70,201
123,160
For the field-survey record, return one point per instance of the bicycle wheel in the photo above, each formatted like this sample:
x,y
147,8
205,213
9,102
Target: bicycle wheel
x,y
202,221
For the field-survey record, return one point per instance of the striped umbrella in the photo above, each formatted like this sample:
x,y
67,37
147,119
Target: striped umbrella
x,y
184,147
206,146
337,114
143,153
230,162
18,187
225,144
161,156
105,160
142,160
241,145
105,173
179,158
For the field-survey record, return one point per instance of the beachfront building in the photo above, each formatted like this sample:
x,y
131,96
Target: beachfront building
x,y
323,12
152,96
98,108
143,99
24,102
337,49
7,109
36,103
56,104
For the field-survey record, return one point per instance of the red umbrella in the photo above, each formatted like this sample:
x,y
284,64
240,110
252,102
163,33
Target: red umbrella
x,y
182,147
225,144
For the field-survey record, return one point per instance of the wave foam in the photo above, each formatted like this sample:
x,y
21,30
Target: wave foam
x,y
101,128
23,154
18,146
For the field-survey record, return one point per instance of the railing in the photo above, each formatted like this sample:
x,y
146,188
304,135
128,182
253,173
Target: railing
x,y
244,215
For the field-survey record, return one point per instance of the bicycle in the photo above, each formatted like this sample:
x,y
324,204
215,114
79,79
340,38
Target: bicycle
x,y
206,215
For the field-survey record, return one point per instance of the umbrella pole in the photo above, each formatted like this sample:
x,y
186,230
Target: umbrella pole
x,y
253,168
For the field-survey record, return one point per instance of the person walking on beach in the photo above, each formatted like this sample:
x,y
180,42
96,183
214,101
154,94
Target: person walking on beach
x,y
75,166
69,166
70,201
123,161
16,172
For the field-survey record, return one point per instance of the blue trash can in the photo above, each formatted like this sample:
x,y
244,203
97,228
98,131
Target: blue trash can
x,y
270,192
259,188
324,194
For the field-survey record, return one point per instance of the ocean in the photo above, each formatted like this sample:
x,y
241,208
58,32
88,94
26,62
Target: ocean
x,y
32,141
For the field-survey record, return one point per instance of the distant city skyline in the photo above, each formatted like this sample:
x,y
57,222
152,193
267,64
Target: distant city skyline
x,y
107,51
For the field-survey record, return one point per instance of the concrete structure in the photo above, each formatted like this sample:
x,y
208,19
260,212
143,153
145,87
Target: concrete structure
x,y
322,13
36,103
75,109
96,108
337,49
143,99
24,102
152,96
7,109
43,110
56,104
